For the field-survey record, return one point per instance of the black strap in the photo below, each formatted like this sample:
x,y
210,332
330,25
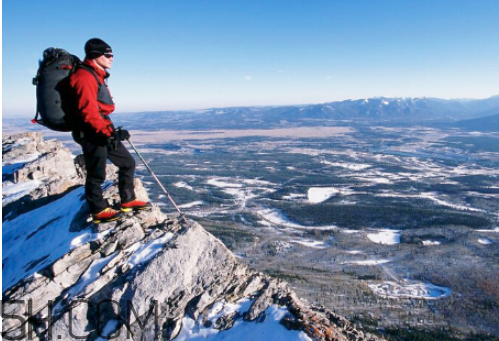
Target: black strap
x,y
93,74
99,85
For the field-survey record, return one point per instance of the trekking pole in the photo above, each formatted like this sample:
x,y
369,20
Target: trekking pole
x,y
156,178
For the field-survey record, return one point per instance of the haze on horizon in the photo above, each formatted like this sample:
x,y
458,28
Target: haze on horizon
x,y
196,55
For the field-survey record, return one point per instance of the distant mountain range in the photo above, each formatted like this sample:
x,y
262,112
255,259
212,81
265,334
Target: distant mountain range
x,y
378,109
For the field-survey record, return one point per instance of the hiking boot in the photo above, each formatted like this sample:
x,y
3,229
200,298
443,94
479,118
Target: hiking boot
x,y
107,215
135,205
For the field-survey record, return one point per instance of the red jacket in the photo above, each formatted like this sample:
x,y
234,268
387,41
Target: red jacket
x,y
86,87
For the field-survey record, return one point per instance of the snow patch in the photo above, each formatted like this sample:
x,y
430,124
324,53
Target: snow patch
x,y
219,182
44,232
191,204
368,262
385,236
275,217
11,166
257,182
13,192
496,230
147,251
432,196
315,244
92,273
485,241
268,329
320,194
293,196
351,166
430,242
182,184
410,289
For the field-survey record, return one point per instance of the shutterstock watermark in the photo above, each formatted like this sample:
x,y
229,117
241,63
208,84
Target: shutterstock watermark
x,y
18,318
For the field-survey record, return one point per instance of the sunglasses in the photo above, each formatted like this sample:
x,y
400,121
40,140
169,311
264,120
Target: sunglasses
x,y
108,55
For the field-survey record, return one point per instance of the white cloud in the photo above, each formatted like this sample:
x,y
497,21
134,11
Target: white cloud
x,y
248,78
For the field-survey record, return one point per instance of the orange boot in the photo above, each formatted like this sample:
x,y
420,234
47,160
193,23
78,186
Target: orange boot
x,y
135,205
107,215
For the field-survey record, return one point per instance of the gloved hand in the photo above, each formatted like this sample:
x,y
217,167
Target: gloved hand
x,y
121,134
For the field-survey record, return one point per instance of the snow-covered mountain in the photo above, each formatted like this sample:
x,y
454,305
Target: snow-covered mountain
x,y
372,109
146,277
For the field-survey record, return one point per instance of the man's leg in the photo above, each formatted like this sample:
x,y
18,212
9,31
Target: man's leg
x,y
95,161
122,159
126,163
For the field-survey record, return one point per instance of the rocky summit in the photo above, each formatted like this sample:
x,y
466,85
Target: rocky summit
x,y
147,277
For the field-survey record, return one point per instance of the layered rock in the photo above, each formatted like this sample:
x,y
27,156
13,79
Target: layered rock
x,y
47,164
145,277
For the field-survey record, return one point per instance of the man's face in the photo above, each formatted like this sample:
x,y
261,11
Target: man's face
x,y
105,61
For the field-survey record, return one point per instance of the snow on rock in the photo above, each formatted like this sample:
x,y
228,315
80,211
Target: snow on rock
x,y
385,236
9,167
485,241
33,168
12,192
208,325
44,232
410,289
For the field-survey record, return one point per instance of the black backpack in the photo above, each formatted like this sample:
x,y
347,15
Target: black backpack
x,y
55,107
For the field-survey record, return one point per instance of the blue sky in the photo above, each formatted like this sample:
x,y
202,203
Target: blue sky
x,y
186,54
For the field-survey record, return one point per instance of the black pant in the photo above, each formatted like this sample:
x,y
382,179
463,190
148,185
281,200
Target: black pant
x,y
96,151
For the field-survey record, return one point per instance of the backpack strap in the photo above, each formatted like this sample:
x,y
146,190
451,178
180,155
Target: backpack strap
x,y
99,84
99,88
93,74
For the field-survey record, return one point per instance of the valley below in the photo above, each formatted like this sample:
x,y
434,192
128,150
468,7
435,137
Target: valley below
x,y
396,228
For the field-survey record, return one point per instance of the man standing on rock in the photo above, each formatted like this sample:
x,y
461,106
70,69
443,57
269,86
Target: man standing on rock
x,y
98,137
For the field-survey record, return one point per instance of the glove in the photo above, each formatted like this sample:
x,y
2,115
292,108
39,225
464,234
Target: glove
x,y
121,134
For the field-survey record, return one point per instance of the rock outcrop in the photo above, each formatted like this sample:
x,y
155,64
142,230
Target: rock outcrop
x,y
146,277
